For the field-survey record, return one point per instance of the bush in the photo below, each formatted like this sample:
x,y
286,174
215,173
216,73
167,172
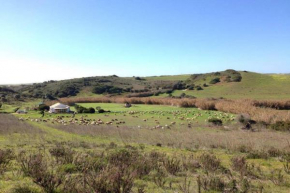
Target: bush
x,y
138,78
40,171
16,109
214,81
211,182
101,111
216,121
112,179
68,168
243,118
100,89
255,154
62,154
66,90
92,110
182,95
43,107
6,156
24,189
198,88
81,109
240,164
236,78
179,86
281,126
209,162
172,165
206,105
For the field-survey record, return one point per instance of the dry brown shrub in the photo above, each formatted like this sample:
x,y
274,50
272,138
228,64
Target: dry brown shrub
x,y
205,104
274,104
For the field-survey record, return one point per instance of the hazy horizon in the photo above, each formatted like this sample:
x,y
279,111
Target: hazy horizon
x,y
57,40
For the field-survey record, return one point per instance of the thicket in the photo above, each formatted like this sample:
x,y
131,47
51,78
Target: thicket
x,y
281,126
215,121
100,89
81,109
43,107
214,81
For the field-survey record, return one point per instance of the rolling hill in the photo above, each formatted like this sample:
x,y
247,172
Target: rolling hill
x,y
252,85
227,84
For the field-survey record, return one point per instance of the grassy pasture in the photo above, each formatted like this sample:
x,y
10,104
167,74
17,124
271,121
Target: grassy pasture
x,y
147,116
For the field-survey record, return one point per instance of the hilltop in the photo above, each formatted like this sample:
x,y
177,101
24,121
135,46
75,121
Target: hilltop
x,y
227,84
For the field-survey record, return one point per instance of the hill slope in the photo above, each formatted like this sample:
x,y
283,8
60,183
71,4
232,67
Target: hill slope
x,y
228,84
252,85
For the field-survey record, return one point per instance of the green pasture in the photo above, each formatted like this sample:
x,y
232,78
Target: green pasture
x,y
146,116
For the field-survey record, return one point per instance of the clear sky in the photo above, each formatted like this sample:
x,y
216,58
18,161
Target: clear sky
x,y
59,39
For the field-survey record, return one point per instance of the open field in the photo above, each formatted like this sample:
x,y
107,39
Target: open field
x,y
152,148
142,115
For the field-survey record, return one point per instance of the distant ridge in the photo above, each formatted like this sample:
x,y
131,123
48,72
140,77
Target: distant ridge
x,y
227,84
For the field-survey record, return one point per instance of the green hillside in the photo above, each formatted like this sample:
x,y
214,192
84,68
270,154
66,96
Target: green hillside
x,y
252,85
228,84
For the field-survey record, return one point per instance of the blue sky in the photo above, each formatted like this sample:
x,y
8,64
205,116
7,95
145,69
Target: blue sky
x,y
59,39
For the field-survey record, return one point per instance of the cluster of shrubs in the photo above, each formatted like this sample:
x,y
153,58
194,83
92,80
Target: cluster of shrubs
x,y
183,95
190,86
6,90
117,169
279,105
234,76
180,85
215,121
247,123
62,89
214,81
81,109
138,78
281,126
101,89
43,107
150,93
195,87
